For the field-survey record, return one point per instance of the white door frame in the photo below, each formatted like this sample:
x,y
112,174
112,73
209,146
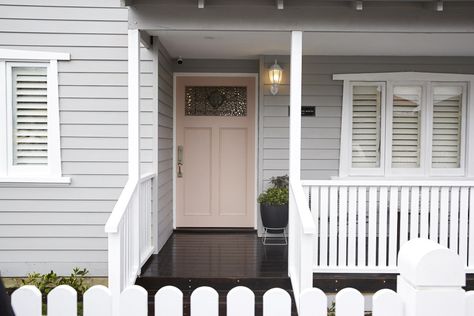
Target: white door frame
x,y
213,74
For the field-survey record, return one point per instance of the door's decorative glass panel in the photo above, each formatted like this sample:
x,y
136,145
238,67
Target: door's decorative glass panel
x,y
215,101
447,111
366,107
406,127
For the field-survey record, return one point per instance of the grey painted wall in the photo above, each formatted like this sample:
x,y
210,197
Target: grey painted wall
x,y
62,226
165,145
321,134
217,65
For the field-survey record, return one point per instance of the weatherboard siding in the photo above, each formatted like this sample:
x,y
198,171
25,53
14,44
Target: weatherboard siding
x,y
321,134
58,227
165,145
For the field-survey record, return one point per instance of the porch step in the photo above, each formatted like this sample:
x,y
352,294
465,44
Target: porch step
x,y
222,285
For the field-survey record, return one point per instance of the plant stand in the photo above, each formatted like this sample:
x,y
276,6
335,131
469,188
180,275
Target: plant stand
x,y
274,240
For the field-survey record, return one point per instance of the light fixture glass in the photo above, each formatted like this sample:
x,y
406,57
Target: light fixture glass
x,y
275,74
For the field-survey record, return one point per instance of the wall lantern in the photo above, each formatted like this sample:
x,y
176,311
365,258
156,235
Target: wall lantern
x,y
275,74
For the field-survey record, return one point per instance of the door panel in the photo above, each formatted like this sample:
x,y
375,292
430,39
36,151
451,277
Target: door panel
x,y
215,125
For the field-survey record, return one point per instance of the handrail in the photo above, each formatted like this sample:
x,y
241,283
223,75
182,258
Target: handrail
x,y
123,201
388,183
304,212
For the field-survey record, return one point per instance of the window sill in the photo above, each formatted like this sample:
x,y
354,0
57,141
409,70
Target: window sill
x,y
35,180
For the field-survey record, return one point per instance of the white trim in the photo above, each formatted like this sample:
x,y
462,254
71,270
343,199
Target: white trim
x,y
133,104
15,54
36,180
296,64
3,114
54,141
216,74
156,139
403,76
469,141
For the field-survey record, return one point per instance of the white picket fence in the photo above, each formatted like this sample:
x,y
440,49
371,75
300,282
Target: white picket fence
x,y
430,281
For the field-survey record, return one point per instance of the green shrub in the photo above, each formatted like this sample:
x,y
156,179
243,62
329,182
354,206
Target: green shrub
x,y
274,196
46,282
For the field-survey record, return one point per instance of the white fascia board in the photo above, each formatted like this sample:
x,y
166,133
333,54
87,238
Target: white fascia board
x,y
15,54
400,76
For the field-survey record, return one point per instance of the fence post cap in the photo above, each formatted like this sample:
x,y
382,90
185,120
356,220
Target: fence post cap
x,y
423,262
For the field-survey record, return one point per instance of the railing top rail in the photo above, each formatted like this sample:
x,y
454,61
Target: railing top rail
x,y
388,183
302,206
122,203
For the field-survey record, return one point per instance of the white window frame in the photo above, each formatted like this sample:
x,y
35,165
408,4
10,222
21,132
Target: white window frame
x,y
51,173
427,81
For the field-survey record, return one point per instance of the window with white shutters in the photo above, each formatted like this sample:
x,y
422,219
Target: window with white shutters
x,y
406,126
366,128
447,126
30,116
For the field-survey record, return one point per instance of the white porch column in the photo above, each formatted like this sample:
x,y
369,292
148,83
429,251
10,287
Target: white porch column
x,y
133,104
295,104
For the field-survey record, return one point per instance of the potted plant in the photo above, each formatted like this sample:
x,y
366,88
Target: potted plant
x,y
274,205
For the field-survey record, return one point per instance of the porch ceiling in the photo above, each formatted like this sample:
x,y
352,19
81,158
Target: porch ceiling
x,y
249,45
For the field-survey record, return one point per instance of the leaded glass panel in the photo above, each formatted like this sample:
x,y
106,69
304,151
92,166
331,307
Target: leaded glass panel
x,y
215,101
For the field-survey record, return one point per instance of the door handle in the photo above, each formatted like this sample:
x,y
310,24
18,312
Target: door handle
x,y
180,160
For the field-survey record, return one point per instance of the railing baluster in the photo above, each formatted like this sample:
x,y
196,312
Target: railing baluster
x,y
361,226
454,222
315,213
444,217
324,220
471,229
404,205
414,211
383,225
372,248
333,233
352,228
424,212
463,223
342,226
393,227
434,214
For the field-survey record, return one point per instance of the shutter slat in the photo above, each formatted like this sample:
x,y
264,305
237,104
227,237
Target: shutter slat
x,y
30,116
447,109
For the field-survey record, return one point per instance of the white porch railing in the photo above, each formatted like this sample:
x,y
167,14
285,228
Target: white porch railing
x,y
129,230
361,225
301,235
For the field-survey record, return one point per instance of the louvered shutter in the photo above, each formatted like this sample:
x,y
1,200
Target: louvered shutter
x,y
366,107
30,116
406,127
446,139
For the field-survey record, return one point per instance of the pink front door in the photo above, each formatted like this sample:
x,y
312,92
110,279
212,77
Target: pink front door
x,y
215,139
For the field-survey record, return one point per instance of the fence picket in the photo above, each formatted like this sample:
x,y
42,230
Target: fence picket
x,y
313,302
276,302
469,303
134,301
62,301
342,226
26,301
349,302
169,301
352,227
98,301
387,303
240,301
204,302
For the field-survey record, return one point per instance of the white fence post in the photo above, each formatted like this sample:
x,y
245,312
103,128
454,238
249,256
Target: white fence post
x,y
431,279
204,302
349,302
169,301
276,302
240,301
134,301
62,301
387,303
98,301
26,301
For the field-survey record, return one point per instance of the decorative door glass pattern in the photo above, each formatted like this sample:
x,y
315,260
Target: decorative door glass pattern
x,y
215,101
